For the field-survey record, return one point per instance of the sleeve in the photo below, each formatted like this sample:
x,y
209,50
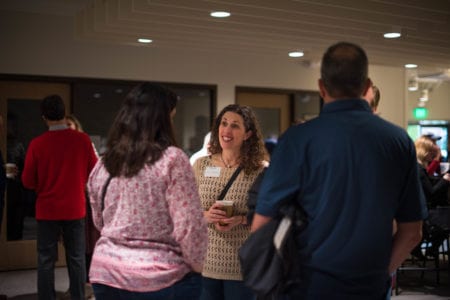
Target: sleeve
x,y
29,173
412,204
92,156
94,188
190,230
280,183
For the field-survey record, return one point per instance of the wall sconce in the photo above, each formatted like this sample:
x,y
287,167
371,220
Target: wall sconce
x,y
424,95
413,84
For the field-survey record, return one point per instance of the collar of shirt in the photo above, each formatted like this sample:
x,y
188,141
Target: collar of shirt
x,y
346,104
57,127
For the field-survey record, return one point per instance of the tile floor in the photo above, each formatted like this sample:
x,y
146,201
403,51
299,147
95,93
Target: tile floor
x,y
21,285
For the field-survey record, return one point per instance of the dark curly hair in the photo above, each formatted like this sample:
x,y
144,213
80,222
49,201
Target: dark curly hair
x,y
252,150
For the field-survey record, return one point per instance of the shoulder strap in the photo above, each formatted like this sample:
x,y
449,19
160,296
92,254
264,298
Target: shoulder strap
x,y
230,182
105,187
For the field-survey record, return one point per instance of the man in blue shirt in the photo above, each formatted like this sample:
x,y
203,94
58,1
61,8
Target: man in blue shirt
x,y
355,173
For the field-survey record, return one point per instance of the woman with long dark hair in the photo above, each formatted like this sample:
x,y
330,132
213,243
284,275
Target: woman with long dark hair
x,y
153,236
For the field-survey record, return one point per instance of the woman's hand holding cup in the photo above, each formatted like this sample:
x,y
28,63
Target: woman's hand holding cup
x,y
215,213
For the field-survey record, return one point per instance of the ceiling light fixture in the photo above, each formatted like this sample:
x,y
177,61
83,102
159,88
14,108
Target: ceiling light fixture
x,y
220,14
394,33
296,54
145,41
410,66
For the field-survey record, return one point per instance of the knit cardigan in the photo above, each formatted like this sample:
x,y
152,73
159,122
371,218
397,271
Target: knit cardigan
x,y
222,260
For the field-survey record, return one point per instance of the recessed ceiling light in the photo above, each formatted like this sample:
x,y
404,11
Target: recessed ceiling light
x,y
392,35
145,41
410,66
296,54
220,14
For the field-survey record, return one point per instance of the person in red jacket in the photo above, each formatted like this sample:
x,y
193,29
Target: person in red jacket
x,y
57,166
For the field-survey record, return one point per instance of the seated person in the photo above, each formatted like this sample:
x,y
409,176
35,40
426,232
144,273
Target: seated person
x,y
435,189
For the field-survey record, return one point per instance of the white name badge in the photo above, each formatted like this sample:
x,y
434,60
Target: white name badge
x,y
212,171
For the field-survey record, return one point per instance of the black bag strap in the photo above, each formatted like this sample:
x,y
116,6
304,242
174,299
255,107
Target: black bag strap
x,y
105,187
229,183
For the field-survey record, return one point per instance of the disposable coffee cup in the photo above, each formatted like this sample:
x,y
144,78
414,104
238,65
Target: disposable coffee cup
x,y
227,207
445,166
11,170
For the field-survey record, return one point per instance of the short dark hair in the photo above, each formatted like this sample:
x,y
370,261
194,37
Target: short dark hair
x,y
52,108
344,70
141,131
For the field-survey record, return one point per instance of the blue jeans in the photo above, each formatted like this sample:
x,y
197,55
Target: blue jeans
x,y
48,233
216,289
187,288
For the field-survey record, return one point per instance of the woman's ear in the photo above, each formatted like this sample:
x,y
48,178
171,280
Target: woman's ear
x,y
248,134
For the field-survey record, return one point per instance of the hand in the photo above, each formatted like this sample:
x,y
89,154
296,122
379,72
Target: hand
x,y
228,223
214,214
446,176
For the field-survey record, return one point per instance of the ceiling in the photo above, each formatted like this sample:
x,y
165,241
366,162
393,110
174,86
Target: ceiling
x,y
267,28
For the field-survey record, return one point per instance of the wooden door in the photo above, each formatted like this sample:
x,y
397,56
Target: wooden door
x,y
19,107
272,109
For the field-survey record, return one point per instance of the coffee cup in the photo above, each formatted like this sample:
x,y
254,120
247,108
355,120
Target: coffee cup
x,y
445,166
227,207
11,170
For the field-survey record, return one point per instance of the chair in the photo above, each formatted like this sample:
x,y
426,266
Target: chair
x,y
427,251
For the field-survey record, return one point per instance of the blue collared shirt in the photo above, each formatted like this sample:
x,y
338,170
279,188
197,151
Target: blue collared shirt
x,y
355,173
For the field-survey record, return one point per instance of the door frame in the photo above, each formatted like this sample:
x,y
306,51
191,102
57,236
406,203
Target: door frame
x,y
286,109
22,254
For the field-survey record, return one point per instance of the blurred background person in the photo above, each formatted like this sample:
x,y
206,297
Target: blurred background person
x,y
74,123
153,235
2,189
435,189
202,152
236,140
57,166
91,233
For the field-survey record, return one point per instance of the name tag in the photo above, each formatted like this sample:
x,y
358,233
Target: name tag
x,y
212,171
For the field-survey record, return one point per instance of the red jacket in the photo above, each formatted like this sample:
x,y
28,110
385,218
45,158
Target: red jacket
x,y
57,167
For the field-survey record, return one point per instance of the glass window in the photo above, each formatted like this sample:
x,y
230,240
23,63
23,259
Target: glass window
x,y
95,104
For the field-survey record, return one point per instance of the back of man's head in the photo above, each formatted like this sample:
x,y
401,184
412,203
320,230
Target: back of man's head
x,y
344,70
52,108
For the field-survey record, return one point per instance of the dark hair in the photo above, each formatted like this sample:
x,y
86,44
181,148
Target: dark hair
x,y
141,131
344,70
252,150
52,108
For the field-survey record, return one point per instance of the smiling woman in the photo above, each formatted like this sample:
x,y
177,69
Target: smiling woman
x,y
236,143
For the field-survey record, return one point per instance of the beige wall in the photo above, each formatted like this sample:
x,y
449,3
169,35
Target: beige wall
x,y
43,45
438,104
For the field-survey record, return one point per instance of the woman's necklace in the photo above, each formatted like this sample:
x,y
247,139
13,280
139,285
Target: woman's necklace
x,y
225,164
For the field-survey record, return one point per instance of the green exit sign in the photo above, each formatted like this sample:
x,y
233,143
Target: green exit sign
x,y
420,112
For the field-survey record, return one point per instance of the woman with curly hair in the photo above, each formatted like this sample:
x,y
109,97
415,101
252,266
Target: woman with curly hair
x,y
236,142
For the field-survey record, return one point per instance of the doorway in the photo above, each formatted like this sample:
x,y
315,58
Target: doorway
x,y
19,107
272,110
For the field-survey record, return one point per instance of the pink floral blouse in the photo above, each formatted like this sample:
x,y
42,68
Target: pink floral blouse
x,y
152,226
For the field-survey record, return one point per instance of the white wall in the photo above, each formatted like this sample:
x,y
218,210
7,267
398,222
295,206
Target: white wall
x,y
45,45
